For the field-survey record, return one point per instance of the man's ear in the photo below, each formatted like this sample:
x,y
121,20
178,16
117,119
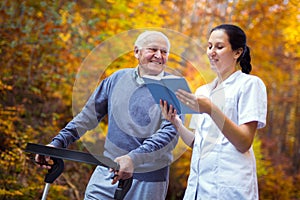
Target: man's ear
x,y
136,52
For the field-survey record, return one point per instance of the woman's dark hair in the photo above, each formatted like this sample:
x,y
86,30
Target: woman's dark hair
x,y
237,39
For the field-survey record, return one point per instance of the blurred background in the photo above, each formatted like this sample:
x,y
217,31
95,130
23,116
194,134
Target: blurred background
x,y
43,45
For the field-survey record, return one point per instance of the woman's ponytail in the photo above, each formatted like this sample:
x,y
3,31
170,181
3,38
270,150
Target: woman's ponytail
x,y
245,61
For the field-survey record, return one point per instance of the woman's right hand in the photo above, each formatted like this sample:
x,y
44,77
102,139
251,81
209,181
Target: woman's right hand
x,y
170,114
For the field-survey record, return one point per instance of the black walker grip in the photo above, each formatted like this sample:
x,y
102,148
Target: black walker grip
x,y
56,170
122,189
58,154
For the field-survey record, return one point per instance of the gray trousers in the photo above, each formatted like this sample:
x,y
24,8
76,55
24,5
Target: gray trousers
x,y
100,188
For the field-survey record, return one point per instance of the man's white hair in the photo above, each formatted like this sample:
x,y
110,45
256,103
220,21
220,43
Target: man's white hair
x,y
142,38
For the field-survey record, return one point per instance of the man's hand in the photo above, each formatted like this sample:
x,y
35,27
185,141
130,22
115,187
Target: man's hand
x,y
44,161
126,168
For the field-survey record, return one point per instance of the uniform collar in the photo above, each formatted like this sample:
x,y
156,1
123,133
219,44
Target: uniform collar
x,y
227,81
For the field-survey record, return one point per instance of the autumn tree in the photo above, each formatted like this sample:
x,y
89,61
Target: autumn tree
x,y
43,48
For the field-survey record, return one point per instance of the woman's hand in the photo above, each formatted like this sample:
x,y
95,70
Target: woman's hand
x,y
170,114
199,104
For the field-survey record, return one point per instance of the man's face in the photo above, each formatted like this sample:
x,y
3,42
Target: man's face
x,y
152,56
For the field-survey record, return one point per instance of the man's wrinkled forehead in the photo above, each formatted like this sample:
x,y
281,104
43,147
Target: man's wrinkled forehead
x,y
152,37
155,40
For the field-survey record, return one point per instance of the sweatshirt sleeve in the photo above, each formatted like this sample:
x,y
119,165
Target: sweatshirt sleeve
x,y
89,117
157,146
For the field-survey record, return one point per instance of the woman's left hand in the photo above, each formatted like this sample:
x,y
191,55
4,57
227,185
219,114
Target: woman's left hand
x,y
199,104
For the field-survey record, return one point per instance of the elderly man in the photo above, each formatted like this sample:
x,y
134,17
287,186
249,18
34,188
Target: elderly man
x,y
138,137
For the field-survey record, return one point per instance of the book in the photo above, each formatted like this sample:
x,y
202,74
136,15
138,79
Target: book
x,y
164,88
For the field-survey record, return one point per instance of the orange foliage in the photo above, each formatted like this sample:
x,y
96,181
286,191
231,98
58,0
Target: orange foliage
x,y
44,44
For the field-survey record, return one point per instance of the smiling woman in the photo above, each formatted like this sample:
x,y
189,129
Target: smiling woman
x,y
232,107
227,49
